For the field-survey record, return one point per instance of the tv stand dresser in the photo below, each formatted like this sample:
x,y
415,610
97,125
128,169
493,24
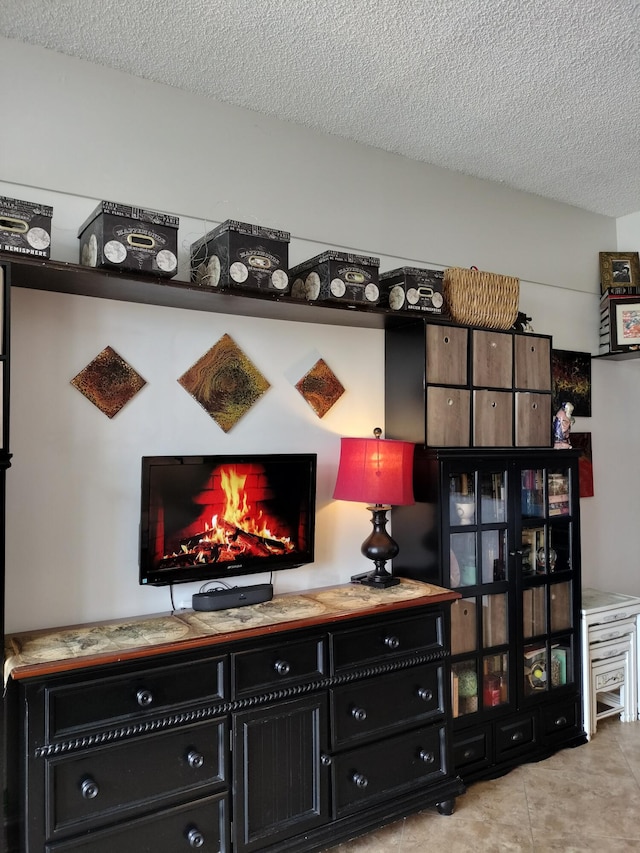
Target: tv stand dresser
x,y
291,725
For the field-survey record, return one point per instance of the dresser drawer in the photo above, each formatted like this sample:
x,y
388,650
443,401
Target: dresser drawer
x,y
385,704
447,352
106,702
199,825
387,640
559,719
121,778
515,737
472,750
282,664
382,770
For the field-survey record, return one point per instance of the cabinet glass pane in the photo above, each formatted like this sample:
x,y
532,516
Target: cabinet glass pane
x,y
495,680
464,619
532,542
558,491
494,619
561,664
560,594
464,687
493,555
463,569
559,547
534,612
492,497
532,493
462,499
535,669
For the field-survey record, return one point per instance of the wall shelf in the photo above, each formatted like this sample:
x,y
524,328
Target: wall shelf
x,y
39,274
626,355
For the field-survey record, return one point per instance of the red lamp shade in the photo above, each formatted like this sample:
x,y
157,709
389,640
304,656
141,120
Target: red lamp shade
x,y
375,471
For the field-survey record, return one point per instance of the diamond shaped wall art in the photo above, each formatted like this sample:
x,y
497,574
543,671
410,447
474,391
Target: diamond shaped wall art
x,y
320,387
225,382
108,381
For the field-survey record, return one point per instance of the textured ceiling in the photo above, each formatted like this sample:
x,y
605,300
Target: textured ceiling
x,y
541,95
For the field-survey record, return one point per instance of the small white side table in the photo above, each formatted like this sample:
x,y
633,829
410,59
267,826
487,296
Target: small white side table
x,y
609,657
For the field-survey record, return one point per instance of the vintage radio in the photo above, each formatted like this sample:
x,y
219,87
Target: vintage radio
x,y
412,289
118,236
243,256
25,227
337,277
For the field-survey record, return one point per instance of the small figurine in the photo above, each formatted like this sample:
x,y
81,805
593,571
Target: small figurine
x,y
562,424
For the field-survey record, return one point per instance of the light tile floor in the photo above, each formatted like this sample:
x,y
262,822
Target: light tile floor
x,y
581,799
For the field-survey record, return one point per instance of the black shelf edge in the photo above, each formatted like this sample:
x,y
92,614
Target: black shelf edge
x,y
41,274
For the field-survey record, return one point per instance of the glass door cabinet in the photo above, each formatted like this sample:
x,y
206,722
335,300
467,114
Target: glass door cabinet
x,y
502,528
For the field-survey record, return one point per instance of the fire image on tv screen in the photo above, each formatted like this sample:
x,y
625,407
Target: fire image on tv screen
x,y
211,517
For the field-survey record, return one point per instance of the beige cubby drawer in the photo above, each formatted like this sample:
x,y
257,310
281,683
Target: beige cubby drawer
x,y
448,417
491,359
533,419
532,363
492,418
447,355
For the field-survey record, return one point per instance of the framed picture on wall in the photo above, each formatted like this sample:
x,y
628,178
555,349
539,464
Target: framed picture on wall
x,y
619,272
625,323
571,381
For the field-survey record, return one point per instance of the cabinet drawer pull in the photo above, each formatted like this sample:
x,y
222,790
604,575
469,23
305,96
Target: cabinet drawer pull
x,y
195,759
359,714
392,642
427,757
282,667
359,780
325,760
561,721
144,697
195,837
89,789
468,753
425,694
516,736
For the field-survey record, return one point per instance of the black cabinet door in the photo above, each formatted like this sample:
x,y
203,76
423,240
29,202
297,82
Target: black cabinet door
x,y
281,781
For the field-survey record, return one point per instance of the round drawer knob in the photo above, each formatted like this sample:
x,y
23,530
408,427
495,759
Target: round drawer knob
x,y
325,760
89,789
359,714
425,694
145,698
516,736
468,753
359,780
427,757
282,667
195,759
195,837
392,642
561,721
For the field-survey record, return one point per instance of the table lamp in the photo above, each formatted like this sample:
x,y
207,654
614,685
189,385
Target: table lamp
x,y
378,472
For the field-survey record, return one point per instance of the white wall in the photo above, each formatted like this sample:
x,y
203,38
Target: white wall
x,y
73,490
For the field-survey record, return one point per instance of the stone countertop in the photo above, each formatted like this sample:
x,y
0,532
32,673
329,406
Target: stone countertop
x,y
35,653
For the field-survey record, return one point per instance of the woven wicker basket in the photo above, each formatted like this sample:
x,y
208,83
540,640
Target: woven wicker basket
x,y
484,299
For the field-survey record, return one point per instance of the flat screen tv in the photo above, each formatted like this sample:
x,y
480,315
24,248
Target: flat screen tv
x,y
212,517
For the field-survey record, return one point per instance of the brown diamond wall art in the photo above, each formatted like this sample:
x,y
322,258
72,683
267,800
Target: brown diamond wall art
x,y
225,382
108,381
320,387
